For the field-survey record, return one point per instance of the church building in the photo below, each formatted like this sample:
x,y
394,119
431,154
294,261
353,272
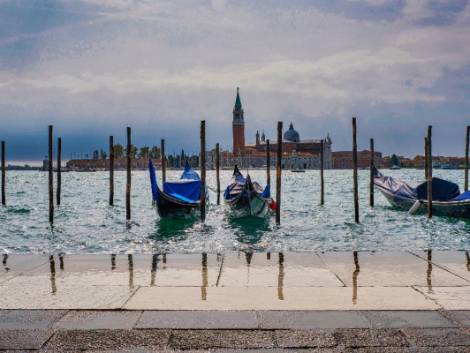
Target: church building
x,y
297,153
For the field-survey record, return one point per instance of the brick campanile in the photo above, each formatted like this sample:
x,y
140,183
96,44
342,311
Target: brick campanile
x,y
238,126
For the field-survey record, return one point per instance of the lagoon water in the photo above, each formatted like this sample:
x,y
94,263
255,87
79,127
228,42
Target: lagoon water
x,y
84,223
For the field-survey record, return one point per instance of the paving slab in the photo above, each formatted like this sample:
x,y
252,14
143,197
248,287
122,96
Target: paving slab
x,y
96,320
45,292
305,338
136,270
462,317
262,298
113,340
198,320
306,320
449,298
209,339
370,338
411,318
276,270
26,329
457,262
23,339
13,265
430,337
411,350
388,269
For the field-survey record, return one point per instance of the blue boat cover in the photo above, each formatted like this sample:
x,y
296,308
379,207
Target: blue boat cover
x,y
442,190
462,197
189,173
187,189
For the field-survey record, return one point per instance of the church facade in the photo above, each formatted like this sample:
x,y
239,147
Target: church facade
x,y
297,153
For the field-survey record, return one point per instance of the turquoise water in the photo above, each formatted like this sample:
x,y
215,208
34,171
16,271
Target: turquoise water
x,y
85,223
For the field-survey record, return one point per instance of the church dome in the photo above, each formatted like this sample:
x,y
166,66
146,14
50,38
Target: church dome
x,y
291,135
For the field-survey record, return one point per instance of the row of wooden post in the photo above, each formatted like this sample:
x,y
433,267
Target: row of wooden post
x,y
428,170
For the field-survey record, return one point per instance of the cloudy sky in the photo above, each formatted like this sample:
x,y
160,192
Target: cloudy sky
x,y
91,67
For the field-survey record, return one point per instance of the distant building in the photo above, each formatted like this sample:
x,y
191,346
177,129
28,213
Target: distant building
x,y
344,160
238,126
297,153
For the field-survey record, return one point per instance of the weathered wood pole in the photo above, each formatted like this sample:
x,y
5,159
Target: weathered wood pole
x,y
163,157
372,166
51,176
268,164
429,171
128,183
322,178
467,138
4,199
217,170
203,170
355,183
426,167
278,172
59,170
111,170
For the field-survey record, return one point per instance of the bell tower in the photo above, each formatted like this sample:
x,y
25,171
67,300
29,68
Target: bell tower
x,y
238,126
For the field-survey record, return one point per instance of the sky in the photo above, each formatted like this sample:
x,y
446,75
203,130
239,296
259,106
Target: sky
x,y
93,67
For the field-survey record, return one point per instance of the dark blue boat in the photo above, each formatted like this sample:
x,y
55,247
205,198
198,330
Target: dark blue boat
x,y
178,198
446,197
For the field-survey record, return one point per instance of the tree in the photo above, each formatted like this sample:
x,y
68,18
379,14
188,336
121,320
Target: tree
x,y
144,152
95,154
155,152
118,151
133,151
103,154
394,160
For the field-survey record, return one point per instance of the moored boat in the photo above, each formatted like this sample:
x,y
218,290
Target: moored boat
x,y
179,198
246,197
446,197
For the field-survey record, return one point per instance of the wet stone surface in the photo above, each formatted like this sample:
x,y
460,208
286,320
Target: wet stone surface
x,y
305,338
81,340
370,338
205,339
430,337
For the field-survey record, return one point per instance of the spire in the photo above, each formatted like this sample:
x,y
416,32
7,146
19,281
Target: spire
x,y
238,102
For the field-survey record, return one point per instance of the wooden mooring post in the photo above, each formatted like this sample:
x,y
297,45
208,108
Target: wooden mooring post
x,y
429,171
467,138
203,170
371,176
51,175
322,166
426,167
163,158
278,172
4,198
268,164
355,182
59,170
217,170
128,182
111,170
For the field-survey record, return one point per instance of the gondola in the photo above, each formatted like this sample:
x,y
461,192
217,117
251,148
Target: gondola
x,y
180,198
446,197
247,198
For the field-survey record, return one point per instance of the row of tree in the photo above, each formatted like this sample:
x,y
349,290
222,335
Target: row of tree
x,y
154,152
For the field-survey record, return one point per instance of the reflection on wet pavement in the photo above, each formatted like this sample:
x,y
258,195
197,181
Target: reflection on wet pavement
x,y
357,269
245,273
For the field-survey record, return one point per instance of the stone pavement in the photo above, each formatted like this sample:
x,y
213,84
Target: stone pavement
x,y
326,302
220,331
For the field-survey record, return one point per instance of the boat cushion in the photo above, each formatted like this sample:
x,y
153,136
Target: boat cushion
x,y
462,197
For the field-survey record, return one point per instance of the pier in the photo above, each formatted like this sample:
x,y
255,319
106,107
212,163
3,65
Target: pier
x,y
333,301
